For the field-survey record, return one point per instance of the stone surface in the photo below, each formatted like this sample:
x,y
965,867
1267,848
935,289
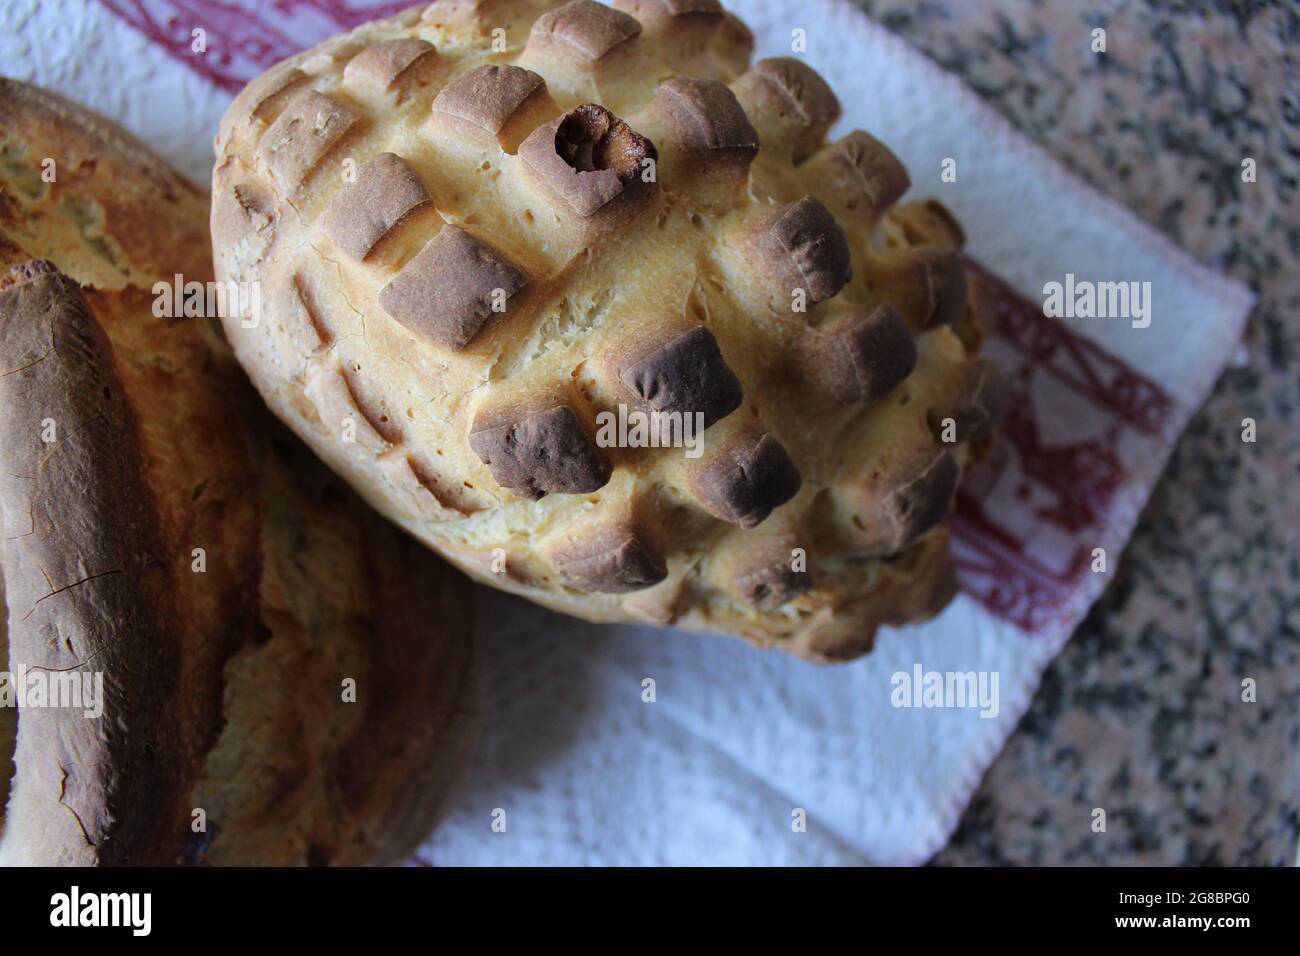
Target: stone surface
x,y
1142,713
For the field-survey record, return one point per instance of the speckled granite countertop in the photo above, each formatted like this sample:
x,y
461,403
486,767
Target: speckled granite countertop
x,y
1142,712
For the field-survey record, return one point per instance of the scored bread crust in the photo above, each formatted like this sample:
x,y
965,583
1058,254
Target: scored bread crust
x,y
464,262
223,687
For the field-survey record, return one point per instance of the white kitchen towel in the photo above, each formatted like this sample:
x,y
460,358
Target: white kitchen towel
x,y
744,756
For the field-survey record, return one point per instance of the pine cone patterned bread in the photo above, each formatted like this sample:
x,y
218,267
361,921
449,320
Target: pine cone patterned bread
x,y
500,243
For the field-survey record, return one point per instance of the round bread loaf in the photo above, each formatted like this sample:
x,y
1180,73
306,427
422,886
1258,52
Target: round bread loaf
x,y
282,679
586,301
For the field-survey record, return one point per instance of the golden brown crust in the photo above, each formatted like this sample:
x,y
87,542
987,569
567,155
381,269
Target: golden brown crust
x,y
494,102
384,194
118,238
397,771
447,292
582,30
693,245
223,584
340,598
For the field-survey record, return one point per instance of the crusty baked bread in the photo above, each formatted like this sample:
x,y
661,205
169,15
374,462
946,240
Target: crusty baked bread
x,y
129,441
482,226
